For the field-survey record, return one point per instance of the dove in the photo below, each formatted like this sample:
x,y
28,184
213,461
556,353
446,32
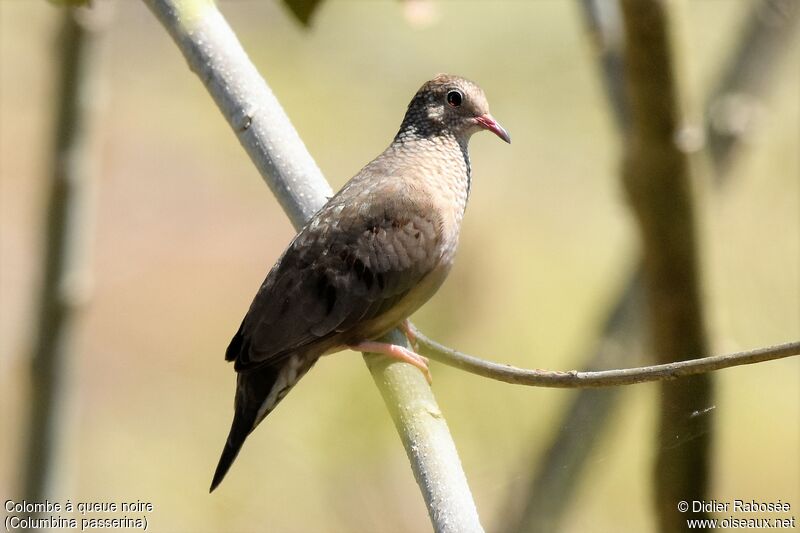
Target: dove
x,y
369,258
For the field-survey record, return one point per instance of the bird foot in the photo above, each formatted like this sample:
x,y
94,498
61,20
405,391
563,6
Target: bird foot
x,y
398,352
411,334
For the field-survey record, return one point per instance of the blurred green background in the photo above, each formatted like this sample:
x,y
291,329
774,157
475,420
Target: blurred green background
x,y
186,231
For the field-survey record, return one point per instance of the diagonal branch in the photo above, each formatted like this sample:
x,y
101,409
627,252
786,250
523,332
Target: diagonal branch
x,y
216,56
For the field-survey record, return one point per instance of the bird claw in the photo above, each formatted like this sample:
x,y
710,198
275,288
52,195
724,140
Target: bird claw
x,y
400,353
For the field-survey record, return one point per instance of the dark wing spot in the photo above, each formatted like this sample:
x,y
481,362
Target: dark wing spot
x,y
326,292
321,285
359,267
348,259
330,298
368,278
363,273
284,307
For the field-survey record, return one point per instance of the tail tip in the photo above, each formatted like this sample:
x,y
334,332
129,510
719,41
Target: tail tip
x,y
222,468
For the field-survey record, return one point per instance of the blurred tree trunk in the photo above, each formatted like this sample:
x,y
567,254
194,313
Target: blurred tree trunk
x,y
767,30
66,275
656,176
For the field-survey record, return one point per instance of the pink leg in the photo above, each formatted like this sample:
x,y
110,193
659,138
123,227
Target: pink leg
x,y
411,335
398,352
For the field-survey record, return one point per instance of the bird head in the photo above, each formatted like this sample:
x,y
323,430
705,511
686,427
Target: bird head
x,y
450,104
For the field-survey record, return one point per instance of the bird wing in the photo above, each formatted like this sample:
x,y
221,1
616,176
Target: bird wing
x,y
357,257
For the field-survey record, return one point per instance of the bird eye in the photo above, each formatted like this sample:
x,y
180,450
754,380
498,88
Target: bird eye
x,y
454,98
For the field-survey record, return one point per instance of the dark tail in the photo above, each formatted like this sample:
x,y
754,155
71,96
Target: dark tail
x,y
252,390
255,399
243,421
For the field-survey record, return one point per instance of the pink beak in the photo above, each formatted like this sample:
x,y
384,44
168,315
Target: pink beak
x,y
488,122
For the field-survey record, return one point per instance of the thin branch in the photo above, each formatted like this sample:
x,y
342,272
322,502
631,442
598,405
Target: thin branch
x,y
214,53
573,379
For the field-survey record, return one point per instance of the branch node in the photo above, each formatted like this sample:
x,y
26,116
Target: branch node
x,y
244,119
